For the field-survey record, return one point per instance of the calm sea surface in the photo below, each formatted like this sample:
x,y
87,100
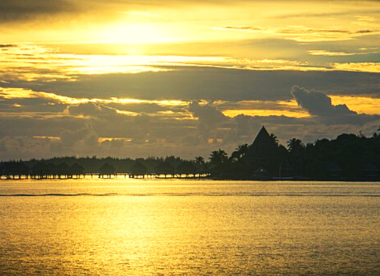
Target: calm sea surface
x,y
188,227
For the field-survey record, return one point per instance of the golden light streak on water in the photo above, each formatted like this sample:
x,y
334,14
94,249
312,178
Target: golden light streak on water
x,y
172,227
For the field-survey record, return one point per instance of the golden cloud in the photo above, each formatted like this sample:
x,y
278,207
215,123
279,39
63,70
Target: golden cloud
x,y
304,34
329,53
371,67
20,93
266,113
264,108
360,104
32,62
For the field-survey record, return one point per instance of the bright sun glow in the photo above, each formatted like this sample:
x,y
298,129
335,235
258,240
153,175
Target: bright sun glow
x,y
133,34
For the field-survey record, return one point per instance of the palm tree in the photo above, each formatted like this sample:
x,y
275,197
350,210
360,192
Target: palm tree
x,y
274,138
295,146
200,164
377,133
239,152
218,162
199,160
218,157
296,154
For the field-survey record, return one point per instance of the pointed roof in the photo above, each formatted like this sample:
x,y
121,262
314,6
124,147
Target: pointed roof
x,y
164,168
40,166
262,137
76,169
187,168
63,167
107,169
14,167
263,146
138,169
51,167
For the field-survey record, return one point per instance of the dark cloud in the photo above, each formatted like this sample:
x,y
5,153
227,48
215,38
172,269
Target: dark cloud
x,y
153,136
7,45
318,103
141,128
31,124
24,10
16,147
113,144
207,114
147,108
21,10
210,84
209,119
31,105
364,32
85,139
93,110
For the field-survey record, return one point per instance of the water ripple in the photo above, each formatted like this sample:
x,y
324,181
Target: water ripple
x,y
192,194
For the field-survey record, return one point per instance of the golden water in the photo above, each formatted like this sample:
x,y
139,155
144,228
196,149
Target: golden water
x,y
188,227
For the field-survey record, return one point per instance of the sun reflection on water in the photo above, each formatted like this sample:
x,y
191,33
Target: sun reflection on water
x,y
146,227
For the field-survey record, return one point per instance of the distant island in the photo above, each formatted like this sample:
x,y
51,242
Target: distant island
x,y
349,157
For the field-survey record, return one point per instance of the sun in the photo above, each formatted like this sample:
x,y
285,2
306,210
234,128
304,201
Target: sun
x,y
133,33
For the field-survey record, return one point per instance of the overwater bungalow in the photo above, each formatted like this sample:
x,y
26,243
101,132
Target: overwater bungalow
x,y
14,170
52,170
164,168
107,171
77,171
39,171
187,169
63,170
138,170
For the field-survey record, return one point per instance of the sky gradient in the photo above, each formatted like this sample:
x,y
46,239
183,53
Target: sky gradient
x,y
156,78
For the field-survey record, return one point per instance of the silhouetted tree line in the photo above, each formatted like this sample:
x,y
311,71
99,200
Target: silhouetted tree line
x,y
72,167
348,157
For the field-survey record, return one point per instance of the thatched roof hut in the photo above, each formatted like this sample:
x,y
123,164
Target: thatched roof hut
x,y
263,146
138,169
164,168
107,169
265,153
39,169
77,169
187,167
51,169
14,168
63,169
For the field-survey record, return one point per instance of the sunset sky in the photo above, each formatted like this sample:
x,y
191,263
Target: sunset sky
x,y
145,78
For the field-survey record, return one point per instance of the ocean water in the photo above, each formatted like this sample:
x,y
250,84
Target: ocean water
x,y
188,227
